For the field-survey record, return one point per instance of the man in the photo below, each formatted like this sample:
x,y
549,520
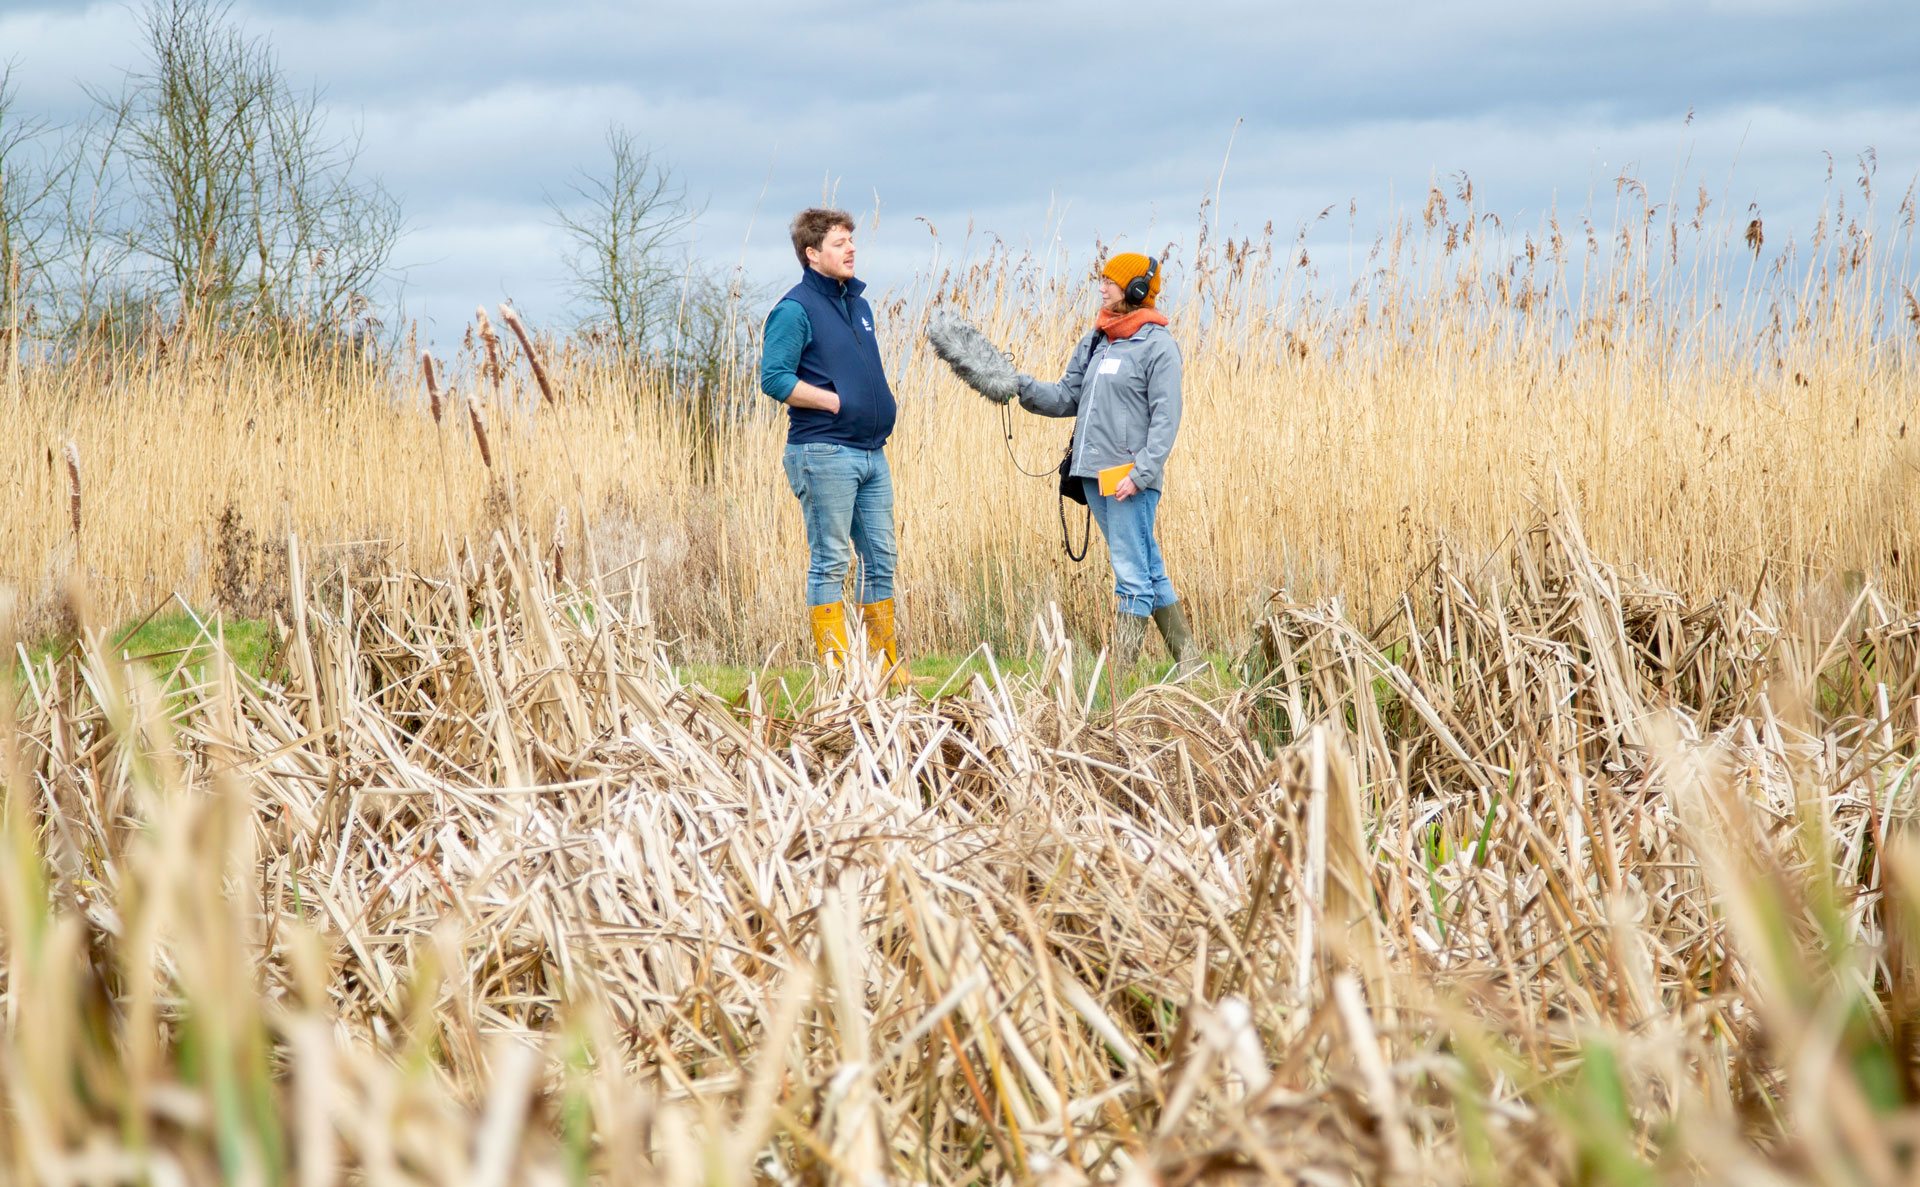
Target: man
x,y
822,361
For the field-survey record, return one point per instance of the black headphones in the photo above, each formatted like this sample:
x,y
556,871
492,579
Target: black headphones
x,y
1139,287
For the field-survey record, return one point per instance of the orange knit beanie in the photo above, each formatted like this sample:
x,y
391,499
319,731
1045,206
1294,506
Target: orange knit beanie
x,y
1127,266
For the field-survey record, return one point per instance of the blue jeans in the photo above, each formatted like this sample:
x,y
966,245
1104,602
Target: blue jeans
x,y
846,498
1139,575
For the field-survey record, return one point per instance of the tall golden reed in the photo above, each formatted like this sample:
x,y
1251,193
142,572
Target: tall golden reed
x,y
1715,412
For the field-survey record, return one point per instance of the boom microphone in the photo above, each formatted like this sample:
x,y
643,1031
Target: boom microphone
x,y
973,357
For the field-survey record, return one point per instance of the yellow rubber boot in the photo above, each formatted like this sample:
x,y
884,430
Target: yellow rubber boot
x,y
877,618
830,634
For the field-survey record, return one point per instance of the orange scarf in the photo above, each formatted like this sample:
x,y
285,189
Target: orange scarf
x,y
1126,325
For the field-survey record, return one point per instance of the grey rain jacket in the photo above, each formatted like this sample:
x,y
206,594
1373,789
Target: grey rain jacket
x,y
1125,396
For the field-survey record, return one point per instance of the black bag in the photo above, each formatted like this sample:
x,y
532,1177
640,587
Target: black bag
x,y
1075,489
1071,487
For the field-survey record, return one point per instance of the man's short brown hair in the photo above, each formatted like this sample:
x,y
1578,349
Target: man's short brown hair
x,y
810,228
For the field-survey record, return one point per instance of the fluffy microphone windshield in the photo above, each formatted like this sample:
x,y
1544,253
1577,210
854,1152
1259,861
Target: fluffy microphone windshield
x,y
975,359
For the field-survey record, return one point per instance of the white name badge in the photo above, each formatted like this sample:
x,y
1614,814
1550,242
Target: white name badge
x,y
1109,367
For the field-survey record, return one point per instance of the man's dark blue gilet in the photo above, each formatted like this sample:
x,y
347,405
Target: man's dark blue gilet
x,y
843,357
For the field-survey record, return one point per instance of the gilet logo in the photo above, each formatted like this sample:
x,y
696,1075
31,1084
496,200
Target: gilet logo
x,y
866,323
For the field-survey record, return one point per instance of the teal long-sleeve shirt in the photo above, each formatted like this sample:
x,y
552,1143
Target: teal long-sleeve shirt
x,y
788,333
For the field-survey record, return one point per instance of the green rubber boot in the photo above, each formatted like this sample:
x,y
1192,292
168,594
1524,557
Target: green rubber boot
x,y
1187,660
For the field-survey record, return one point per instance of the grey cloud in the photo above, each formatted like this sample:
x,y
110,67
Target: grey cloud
x,y
999,111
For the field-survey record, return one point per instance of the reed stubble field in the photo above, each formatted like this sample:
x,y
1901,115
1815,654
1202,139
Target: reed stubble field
x,y
1562,830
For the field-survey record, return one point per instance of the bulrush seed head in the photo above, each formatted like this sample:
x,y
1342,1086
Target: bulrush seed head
x,y
433,387
526,343
492,342
479,419
72,454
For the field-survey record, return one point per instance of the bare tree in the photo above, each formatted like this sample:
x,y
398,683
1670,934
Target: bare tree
x,y
712,331
24,191
77,282
59,245
244,205
628,225
632,268
711,355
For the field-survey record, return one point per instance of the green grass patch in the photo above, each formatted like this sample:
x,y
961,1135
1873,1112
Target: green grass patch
x,y
933,675
171,639
174,640
789,687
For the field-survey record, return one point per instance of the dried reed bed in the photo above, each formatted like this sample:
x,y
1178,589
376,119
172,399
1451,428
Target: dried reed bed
x,y
1715,409
1556,875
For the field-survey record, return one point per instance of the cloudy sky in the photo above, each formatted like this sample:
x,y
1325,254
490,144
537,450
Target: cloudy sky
x,y
1039,121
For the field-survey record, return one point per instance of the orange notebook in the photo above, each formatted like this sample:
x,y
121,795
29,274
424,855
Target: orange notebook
x,y
1110,478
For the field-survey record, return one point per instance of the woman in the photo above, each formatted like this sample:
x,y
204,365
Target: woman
x,y
1122,387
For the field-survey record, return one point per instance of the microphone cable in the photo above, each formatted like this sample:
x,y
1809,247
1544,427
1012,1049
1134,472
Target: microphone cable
x,y
1061,472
